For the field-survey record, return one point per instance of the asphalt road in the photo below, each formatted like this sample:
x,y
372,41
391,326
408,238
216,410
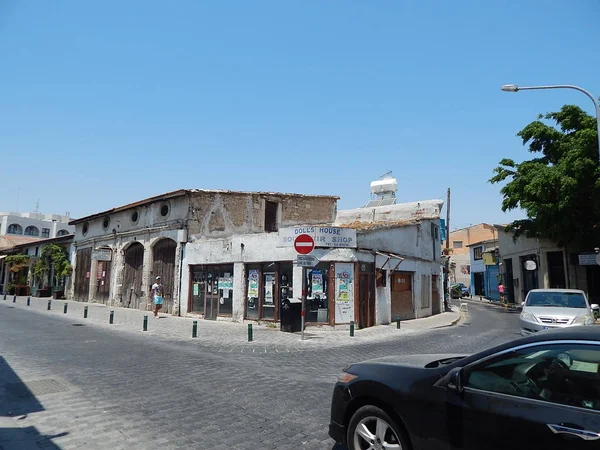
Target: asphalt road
x,y
98,389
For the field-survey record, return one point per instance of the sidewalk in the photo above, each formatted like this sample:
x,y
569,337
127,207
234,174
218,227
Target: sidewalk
x,y
488,302
224,336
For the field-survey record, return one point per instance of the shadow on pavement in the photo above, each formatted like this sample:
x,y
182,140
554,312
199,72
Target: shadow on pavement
x,y
17,399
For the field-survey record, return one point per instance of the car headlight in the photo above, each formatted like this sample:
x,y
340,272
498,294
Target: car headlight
x,y
528,316
346,377
583,320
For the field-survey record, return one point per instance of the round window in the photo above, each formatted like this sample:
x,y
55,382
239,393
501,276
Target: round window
x,y
85,228
106,222
134,216
164,210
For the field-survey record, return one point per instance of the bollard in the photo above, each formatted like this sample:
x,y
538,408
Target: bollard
x,y
28,301
195,328
145,323
249,332
398,321
111,317
15,299
85,310
65,308
5,296
352,328
49,305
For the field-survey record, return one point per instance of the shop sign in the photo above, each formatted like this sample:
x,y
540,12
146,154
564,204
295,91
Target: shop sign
x,y
101,254
328,237
344,292
588,259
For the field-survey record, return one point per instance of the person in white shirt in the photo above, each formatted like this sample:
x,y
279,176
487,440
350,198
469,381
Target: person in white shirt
x,y
157,294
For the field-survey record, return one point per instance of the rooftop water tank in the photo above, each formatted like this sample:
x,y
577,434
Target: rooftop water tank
x,y
385,186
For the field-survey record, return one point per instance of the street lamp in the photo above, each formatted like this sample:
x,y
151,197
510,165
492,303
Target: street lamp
x,y
515,88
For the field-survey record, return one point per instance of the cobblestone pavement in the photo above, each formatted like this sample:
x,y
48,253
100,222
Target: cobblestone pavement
x,y
69,384
224,336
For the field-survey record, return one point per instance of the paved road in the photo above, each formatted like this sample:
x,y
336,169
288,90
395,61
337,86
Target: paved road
x,y
102,389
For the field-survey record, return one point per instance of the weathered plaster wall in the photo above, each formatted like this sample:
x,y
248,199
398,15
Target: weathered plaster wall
x,y
216,215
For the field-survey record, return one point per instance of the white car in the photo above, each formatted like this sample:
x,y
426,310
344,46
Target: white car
x,y
544,309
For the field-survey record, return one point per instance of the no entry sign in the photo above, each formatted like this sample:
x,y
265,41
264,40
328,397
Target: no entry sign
x,y
304,244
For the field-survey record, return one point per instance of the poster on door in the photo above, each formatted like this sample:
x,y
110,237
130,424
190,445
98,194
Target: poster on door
x,y
344,292
316,282
252,283
269,285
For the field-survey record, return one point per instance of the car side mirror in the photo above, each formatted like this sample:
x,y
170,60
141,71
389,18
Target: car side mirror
x,y
522,303
595,306
455,382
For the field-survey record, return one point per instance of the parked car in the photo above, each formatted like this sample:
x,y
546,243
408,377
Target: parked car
x,y
538,392
555,308
459,290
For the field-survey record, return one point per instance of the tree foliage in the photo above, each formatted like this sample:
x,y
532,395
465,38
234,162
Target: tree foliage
x,y
53,256
17,262
559,188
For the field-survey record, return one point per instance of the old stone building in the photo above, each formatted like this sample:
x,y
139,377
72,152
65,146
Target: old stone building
x,y
119,252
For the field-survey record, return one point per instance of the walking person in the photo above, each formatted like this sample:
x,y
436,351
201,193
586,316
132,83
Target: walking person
x,y
501,292
157,293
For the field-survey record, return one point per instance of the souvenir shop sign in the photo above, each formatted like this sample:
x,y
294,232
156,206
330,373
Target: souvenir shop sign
x,y
328,237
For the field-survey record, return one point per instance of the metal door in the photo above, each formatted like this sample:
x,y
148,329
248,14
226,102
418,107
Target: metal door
x,y
132,276
83,266
103,279
165,252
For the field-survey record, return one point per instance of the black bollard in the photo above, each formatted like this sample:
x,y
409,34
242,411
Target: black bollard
x,y
352,328
111,317
85,312
146,323
195,328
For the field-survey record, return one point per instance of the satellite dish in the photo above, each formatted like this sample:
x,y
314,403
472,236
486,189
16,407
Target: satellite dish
x,y
530,265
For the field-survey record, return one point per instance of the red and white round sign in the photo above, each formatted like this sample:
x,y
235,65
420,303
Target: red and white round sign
x,y
304,244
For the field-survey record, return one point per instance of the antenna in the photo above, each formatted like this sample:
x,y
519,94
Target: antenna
x,y
386,175
37,206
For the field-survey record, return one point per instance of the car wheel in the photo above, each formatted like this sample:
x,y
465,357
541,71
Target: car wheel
x,y
372,428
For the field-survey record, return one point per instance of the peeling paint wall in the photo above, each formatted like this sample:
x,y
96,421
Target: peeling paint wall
x,y
217,215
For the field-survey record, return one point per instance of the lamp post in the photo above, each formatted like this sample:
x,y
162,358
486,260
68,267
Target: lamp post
x,y
515,88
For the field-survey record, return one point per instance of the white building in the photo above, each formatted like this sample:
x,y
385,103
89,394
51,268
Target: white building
x,y
34,225
388,265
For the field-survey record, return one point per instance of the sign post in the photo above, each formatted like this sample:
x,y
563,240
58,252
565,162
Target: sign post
x,y
304,244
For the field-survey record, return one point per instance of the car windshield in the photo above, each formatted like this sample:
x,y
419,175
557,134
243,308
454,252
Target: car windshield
x,y
557,299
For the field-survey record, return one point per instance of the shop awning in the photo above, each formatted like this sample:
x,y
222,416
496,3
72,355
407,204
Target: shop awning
x,y
2,257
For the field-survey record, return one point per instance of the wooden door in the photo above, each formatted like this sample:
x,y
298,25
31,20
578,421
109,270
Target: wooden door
x,y
164,267
103,279
363,300
83,266
435,296
402,296
211,307
132,276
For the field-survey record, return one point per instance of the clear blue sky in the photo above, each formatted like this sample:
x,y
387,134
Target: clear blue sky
x,y
107,102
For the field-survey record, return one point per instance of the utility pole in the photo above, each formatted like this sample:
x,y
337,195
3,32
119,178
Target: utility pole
x,y
447,265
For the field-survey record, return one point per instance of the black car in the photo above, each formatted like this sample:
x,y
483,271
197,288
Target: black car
x,y
538,392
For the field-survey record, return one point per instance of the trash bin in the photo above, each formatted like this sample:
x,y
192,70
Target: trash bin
x,y
291,315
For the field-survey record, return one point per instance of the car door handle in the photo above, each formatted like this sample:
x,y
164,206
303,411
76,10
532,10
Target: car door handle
x,y
582,434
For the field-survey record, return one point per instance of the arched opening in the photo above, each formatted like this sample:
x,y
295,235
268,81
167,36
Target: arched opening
x,y
131,294
32,231
62,233
163,265
14,228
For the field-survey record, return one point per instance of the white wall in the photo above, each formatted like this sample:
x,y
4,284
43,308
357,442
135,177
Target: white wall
x,y
149,218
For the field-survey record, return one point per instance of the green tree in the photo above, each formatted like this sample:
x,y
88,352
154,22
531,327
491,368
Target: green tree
x,y
53,257
559,189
